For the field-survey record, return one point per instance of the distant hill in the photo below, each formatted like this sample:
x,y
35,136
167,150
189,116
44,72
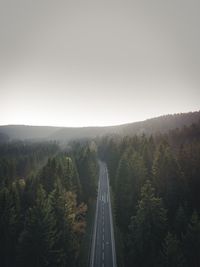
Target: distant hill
x,y
160,124
23,132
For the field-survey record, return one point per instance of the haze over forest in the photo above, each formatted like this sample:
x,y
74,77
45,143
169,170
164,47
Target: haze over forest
x,y
149,127
97,63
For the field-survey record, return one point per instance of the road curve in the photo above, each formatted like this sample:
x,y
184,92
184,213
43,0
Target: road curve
x,y
103,242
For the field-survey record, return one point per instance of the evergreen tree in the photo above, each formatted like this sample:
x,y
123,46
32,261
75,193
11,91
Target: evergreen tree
x,y
172,255
168,179
39,235
9,227
88,170
64,246
147,151
71,178
147,229
180,223
192,242
131,175
48,175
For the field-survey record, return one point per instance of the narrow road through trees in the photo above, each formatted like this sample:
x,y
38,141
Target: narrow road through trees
x,y
103,243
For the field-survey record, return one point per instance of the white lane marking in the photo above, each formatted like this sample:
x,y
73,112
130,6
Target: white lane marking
x,y
104,197
111,222
103,237
103,229
103,256
103,245
102,264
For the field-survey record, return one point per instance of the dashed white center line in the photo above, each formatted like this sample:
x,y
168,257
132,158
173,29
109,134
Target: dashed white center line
x,y
103,256
103,246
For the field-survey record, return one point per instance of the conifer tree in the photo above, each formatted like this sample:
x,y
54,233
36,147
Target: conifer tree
x,y
172,255
192,242
147,229
168,179
9,225
39,235
131,175
64,246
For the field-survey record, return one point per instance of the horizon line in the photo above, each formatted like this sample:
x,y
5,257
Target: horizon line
x,y
100,126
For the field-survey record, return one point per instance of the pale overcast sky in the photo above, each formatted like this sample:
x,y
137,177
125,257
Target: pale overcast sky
x,y
105,62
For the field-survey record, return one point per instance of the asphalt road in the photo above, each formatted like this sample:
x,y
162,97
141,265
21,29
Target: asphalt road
x,y
103,243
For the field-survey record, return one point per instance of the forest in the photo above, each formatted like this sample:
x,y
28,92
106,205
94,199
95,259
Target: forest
x,y
156,182
48,189
44,196
160,124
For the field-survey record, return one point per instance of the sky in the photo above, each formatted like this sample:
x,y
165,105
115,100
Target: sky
x,y
94,63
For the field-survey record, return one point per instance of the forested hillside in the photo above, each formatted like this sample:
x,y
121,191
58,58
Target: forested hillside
x,y
47,190
23,132
160,124
156,184
44,198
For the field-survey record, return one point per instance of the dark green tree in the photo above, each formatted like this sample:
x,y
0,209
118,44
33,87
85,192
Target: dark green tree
x,y
147,229
180,222
88,170
37,240
172,255
9,225
49,175
131,175
70,175
192,242
65,245
168,179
